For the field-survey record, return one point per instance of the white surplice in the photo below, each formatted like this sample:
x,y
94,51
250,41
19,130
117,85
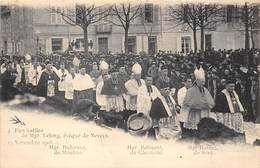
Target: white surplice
x,y
144,98
132,92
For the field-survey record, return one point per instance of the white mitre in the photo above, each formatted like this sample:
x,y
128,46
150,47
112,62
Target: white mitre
x,y
28,57
76,61
137,69
103,65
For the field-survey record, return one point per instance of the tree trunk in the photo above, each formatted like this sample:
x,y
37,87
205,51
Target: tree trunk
x,y
126,41
202,38
247,42
85,41
195,40
252,37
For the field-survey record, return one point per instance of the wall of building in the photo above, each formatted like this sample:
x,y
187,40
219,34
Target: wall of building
x,y
26,25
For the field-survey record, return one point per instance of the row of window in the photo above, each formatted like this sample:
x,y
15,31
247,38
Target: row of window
x,y
78,44
152,44
186,43
149,15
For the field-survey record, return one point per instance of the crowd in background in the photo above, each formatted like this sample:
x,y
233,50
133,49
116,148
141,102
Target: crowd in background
x,y
219,65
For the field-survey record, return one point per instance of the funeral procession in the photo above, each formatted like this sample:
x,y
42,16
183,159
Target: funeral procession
x,y
177,72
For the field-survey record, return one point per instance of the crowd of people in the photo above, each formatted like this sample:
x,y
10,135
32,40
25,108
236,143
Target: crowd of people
x,y
165,93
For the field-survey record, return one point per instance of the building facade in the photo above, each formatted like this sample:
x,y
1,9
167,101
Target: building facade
x,y
30,30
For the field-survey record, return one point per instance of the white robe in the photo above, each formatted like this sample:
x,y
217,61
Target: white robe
x,y
26,72
62,84
34,75
181,95
83,82
101,99
144,100
132,92
19,74
69,91
3,68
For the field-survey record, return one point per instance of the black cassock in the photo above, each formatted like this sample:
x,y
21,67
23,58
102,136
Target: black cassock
x,y
8,90
45,81
221,104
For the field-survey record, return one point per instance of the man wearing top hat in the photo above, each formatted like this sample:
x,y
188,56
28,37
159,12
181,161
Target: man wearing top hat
x,y
228,107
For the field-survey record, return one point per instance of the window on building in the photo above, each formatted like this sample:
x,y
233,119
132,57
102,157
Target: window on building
x,y
56,44
5,11
79,44
152,44
185,44
230,10
148,13
103,45
18,47
13,47
5,47
208,41
56,17
132,44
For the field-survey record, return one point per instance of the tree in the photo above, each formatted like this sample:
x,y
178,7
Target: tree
x,y
124,15
186,15
249,18
209,15
197,16
83,16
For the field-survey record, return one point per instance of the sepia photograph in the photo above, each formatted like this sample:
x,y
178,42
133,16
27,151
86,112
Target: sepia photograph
x,y
129,84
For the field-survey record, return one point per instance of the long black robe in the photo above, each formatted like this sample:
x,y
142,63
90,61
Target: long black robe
x,y
8,91
43,83
221,104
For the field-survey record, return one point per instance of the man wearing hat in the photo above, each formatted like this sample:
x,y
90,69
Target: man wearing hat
x,y
113,107
229,108
197,103
101,99
132,86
